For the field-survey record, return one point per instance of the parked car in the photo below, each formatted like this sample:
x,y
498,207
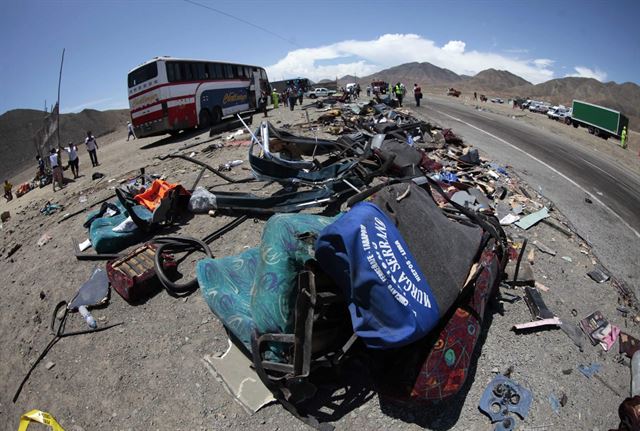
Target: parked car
x,y
453,92
497,100
319,92
555,111
565,117
539,108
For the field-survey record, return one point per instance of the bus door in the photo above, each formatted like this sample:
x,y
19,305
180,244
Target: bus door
x,y
257,88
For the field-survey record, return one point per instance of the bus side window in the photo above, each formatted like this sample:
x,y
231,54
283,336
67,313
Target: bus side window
x,y
210,70
170,75
218,71
183,71
188,76
228,71
240,71
202,73
247,72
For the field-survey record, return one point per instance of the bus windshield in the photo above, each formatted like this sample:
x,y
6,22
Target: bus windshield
x,y
146,72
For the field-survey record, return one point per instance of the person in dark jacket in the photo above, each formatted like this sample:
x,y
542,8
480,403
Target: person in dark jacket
x,y
417,93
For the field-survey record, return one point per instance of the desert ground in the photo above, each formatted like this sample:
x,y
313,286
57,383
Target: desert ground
x,y
148,373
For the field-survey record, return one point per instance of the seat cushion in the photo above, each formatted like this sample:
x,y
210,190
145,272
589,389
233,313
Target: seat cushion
x,y
105,240
226,286
257,289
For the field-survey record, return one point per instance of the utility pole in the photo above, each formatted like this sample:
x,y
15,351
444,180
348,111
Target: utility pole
x,y
59,81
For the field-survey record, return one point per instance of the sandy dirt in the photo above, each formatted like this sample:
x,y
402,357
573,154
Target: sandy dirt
x,y
148,373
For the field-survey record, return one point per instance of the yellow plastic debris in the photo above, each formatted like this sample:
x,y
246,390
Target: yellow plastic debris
x,y
39,417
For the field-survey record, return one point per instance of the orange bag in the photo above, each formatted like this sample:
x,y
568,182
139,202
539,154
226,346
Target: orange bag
x,y
159,189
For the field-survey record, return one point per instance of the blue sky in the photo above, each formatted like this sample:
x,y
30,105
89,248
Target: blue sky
x,y
537,40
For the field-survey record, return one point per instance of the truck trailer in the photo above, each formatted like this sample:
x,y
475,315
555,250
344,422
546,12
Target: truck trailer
x,y
600,121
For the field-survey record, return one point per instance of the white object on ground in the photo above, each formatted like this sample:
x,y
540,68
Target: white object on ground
x,y
84,244
127,225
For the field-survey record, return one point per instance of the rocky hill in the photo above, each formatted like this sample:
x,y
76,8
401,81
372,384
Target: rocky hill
x,y
501,83
19,126
494,80
410,73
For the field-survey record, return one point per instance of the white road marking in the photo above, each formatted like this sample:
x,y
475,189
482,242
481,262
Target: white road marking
x,y
591,195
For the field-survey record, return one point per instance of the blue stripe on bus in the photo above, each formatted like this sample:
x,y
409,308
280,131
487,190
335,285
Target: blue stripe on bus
x,y
224,98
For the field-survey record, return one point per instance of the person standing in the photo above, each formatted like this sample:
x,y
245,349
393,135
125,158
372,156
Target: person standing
x,y
7,190
92,147
623,138
263,102
300,95
74,161
291,97
398,91
130,130
56,169
417,93
40,166
275,98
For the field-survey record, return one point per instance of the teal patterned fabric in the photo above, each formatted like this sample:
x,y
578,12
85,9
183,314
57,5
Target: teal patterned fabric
x,y
257,289
105,240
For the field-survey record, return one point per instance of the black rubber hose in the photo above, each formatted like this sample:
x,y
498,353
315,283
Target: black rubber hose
x,y
177,244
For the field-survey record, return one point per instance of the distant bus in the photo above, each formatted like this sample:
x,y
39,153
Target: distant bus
x,y
297,83
167,95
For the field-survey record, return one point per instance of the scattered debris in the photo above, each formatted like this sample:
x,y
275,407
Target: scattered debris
x,y
543,248
599,330
532,219
13,250
628,344
45,238
598,275
591,371
49,365
236,373
502,398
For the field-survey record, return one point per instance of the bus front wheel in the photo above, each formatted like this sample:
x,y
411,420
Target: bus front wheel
x,y
217,115
204,119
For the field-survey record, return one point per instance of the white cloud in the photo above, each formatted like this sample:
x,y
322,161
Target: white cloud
x,y
585,72
516,51
394,49
90,104
456,46
543,62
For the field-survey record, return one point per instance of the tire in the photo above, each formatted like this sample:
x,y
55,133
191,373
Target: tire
x,y
204,119
312,96
591,130
597,132
576,125
217,115
567,121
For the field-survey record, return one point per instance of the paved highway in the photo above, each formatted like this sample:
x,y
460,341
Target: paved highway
x,y
564,171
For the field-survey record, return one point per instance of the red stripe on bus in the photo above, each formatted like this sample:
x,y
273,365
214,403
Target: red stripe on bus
x,y
184,110
163,100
